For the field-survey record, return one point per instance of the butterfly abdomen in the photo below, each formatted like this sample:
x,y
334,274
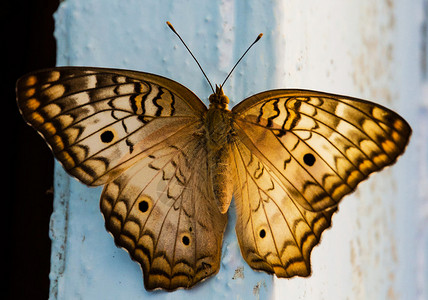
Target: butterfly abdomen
x,y
219,135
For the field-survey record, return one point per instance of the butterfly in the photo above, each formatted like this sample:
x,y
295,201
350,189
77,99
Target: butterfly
x,y
170,166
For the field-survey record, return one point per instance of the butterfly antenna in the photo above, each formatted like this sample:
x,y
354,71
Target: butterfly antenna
x,y
257,39
172,28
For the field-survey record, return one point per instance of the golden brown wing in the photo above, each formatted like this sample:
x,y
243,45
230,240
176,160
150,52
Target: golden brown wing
x,y
98,122
320,145
141,135
163,212
275,234
297,154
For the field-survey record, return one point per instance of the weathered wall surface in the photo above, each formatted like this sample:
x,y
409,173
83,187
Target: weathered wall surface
x,y
366,49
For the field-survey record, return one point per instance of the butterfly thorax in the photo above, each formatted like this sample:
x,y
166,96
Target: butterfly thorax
x,y
219,133
218,121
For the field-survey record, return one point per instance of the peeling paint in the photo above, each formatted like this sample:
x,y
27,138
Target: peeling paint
x,y
256,290
239,273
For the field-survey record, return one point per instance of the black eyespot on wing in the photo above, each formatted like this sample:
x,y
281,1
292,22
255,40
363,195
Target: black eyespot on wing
x,y
143,206
262,233
185,239
309,159
107,136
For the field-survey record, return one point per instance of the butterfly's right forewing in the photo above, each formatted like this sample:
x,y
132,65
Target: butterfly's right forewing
x,y
320,145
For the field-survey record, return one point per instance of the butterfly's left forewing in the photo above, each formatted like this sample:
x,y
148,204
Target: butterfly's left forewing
x,y
297,154
98,122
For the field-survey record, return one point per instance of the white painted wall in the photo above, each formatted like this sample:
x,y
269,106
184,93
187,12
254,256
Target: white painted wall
x,y
362,48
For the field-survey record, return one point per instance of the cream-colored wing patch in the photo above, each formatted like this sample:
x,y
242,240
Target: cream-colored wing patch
x,y
320,146
99,122
163,212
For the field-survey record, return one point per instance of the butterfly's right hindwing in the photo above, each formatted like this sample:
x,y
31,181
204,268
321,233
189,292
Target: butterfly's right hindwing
x,y
98,122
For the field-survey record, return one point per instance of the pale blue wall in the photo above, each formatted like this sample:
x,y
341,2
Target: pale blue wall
x,y
134,35
378,242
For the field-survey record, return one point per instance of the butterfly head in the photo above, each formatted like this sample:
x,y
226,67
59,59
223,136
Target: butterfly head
x,y
219,99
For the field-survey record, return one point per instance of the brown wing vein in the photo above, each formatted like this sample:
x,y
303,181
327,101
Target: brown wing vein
x,y
259,189
334,171
148,149
352,124
303,130
310,230
279,171
248,193
334,146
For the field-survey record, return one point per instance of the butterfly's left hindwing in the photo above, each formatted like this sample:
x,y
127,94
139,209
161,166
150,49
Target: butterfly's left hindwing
x,y
297,154
98,122
163,212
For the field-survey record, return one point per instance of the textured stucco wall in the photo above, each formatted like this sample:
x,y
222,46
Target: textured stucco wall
x,y
367,49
